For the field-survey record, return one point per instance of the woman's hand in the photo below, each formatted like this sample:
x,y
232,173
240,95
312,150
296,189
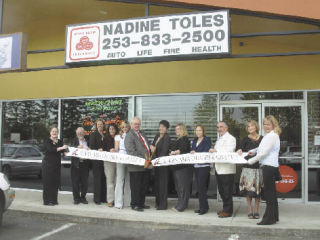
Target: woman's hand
x,y
192,152
250,153
152,148
211,150
175,152
239,152
100,150
112,150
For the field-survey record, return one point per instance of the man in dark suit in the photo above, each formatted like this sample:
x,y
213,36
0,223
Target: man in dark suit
x,y
79,170
136,144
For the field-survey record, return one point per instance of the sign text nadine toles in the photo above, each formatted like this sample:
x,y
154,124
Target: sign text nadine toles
x,y
160,36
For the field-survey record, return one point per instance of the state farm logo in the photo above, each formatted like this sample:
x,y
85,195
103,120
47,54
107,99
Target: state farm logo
x,y
83,43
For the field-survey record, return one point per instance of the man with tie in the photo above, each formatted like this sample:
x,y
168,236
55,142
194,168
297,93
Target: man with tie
x,y
136,144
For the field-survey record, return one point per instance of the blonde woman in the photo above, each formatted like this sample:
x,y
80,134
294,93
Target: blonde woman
x,y
182,173
122,191
251,175
268,154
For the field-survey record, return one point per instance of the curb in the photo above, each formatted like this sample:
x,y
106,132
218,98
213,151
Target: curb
x,y
258,231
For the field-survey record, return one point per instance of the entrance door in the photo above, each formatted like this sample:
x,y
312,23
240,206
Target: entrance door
x,y
236,116
291,141
292,144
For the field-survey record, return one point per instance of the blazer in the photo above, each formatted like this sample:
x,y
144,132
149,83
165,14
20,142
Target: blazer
x,y
162,148
74,160
107,143
204,146
95,141
182,144
225,143
135,147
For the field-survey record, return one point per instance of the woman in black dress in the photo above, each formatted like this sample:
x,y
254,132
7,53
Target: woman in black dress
x,y
51,164
99,178
182,173
159,148
251,176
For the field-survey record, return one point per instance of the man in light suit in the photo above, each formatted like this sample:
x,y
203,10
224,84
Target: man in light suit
x,y
136,144
225,171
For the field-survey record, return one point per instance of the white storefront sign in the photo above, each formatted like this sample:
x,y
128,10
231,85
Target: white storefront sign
x,y
158,36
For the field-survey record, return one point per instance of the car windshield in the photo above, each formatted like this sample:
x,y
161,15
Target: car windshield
x,y
9,151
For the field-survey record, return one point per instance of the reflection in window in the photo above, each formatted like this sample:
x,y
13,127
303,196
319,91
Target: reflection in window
x,y
28,122
314,128
84,113
25,126
190,110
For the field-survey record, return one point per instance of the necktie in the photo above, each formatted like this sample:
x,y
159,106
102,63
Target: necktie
x,y
144,144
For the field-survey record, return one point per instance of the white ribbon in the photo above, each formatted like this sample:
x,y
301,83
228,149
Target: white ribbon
x,y
217,157
105,156
202,157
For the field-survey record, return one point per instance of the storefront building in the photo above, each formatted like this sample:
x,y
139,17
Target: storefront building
x,y
272,68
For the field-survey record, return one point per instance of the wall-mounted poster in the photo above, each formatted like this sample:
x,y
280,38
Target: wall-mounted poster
x,y
13,52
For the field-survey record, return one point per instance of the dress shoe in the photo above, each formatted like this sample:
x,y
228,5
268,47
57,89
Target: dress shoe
x,y
76,202
49,204
203,212
97,203
110,204
174,209
138,209
197,211
84,201
220,211
265,223
145,206
159,208
225,215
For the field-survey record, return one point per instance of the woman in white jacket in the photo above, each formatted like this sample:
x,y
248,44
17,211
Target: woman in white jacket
x,y
268,156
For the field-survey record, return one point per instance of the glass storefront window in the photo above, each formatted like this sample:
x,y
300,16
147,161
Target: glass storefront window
x,y
25,126
260,96
314,128
84,113
190,110
314,184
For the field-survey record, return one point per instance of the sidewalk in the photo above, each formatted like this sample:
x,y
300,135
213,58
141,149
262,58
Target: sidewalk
x,y
296,219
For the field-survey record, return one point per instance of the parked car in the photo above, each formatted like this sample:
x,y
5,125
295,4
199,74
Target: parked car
x,y
6,195
21,159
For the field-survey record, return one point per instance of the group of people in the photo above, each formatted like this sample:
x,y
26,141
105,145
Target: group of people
x,y
122,185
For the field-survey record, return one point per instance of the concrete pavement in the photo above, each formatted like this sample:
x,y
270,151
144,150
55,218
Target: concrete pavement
x,y
296,219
